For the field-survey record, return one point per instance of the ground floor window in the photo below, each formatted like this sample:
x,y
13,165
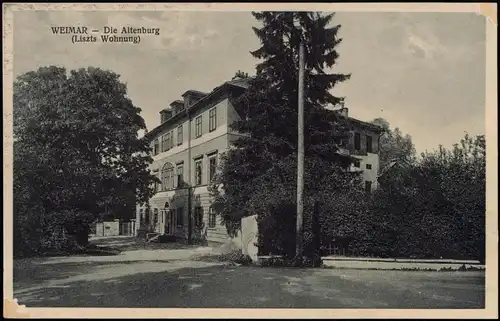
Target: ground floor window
x,y
180,216
198,215
368,186
211,218
146,218
198,171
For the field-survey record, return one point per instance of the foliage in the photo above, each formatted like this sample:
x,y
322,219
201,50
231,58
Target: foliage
x,y
435,208
394,146
76,152
258,174
235,256
281,261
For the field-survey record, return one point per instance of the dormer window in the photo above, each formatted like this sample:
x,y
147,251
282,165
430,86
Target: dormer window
x,y
187,101
191,97
177,106
166,114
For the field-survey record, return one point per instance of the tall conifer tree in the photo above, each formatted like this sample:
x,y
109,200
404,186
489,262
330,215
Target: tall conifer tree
x,y
258,175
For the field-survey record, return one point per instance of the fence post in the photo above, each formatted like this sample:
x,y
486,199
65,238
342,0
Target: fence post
x,y
132,223
117,222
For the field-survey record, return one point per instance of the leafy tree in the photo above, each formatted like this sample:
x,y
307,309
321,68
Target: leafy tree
x,y
258,174
394,146
76,150
460,174
433,208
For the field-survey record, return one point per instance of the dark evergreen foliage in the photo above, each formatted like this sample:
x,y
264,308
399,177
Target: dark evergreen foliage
x,y
258,175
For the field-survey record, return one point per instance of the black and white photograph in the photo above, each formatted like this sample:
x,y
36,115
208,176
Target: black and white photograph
x,y
215,156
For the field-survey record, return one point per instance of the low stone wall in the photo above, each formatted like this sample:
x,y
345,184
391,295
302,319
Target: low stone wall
x,y
396,264
114,228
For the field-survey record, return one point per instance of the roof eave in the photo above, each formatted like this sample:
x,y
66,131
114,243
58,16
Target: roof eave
x,y
196,105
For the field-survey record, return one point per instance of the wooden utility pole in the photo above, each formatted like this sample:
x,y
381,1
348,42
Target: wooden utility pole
x,y
190,181
300,157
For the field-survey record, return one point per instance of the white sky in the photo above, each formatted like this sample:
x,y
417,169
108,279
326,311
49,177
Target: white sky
x,y
423,72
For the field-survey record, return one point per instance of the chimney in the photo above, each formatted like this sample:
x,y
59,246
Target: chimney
x,y
344,112
165,114
342,109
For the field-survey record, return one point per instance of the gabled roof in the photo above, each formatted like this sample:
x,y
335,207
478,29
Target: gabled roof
x,y
178,101
393,163
194,92
371,126
387,168
241,82
236,83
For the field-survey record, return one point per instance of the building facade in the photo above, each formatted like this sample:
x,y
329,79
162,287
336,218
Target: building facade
x,y
186,152
363,146
187,146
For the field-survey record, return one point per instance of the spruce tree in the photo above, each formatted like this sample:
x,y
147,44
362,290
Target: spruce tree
x,y
258,175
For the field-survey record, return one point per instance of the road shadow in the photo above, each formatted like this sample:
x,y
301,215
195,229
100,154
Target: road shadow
x,y
165,284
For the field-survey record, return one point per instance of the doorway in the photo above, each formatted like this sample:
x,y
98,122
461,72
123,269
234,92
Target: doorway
x,y
168,220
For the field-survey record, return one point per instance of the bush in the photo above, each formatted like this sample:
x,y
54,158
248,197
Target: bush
x,y
281,261
39,233
432,209
236,256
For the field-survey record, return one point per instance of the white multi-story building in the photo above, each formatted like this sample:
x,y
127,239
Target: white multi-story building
x,y
186,150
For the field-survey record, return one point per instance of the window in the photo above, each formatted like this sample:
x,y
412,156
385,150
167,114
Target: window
x,y
357,163
198,171
180,216
171,141
211,218
167,141
357,141
212,119
156,147
198,216
197,126
368,166
180,175
368,186
146,217
167,177
179,135
369,144
212,167
164,142
141,214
